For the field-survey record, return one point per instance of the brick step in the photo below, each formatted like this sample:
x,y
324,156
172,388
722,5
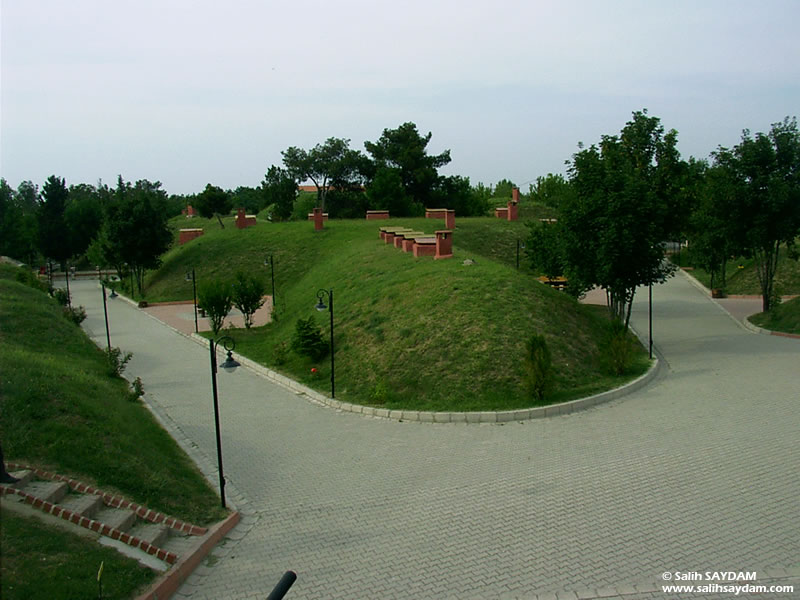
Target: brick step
x,y
152,533
110,516
48,491
86,505
116,518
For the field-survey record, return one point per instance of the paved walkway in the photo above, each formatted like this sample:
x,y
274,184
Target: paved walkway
x,y
697,472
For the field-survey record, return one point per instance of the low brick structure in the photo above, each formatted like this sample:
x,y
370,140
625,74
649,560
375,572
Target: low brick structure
x,y
376,215
435,213
424,247
450,219
501,212
244,221
444,244
515,194
388,236
311,216
318,217
187,235
508,212
384,230
512,211
188,212
401,236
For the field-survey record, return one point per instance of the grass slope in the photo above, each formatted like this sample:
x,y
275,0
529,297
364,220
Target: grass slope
x,y
42,562
744,280
413,333
62,411
784,317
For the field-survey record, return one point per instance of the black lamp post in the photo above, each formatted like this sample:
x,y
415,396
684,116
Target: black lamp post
x,y
66,277
268,261
105,314
520,244
321,306
191,276
650,318
229,365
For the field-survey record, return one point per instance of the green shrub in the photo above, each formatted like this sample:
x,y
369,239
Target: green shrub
x,y
308,340
248,296
215,297
117,361
61,296
617,349
27,277
379,393
137,389
280,353
75,314
538,367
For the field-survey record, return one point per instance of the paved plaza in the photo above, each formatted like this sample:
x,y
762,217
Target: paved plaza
x,y
696,472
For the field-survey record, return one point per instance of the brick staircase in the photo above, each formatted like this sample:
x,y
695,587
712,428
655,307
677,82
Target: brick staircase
x,y
157,534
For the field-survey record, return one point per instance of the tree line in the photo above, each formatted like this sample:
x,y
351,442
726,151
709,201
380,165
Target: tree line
x,y
627,196
125,226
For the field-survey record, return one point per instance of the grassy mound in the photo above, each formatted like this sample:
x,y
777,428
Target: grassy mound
x,y
784,317
63,411
412,333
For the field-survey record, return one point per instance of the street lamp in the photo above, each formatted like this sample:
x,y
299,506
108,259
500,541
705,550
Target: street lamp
x,y
105,314
321,306
230,364
520,244
268,261
191,277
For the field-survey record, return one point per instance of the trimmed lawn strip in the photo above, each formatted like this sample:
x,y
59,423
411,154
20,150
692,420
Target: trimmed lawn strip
x,y
63,412
43,562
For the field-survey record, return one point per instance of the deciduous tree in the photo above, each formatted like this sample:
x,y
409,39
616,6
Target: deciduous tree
x,y
213,202
763,176
405,149
615,227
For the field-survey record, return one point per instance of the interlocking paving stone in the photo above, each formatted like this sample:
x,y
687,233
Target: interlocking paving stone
x,y
697,471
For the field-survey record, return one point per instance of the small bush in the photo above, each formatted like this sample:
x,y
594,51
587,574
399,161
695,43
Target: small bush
x,y
27,277
75,314
280,354
538,367
215,297
117,361
248,296
137,389
308,340
61,296
617,349
379,393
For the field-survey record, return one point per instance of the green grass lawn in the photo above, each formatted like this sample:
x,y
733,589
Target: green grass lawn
x,y
785,317
42,562
412,333
63,412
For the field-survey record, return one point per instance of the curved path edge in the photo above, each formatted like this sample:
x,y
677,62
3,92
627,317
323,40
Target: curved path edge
x,y
505,416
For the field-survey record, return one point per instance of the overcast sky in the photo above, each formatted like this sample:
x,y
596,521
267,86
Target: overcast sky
x,y
195,92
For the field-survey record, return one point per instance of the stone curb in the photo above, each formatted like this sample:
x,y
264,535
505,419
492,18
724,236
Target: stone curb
x,y
169,583
524,414
506,416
